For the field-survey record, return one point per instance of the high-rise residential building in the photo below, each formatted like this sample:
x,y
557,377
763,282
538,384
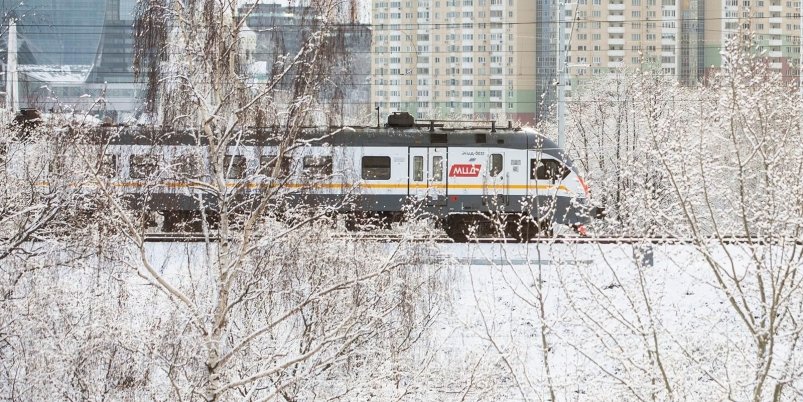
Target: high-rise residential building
x,y
681,38
473,59
775,25
605,36
72,53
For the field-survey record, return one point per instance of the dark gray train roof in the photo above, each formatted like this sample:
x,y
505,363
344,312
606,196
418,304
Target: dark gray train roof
x,y
346,136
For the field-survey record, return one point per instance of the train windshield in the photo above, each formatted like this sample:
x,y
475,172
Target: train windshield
x,y
548,169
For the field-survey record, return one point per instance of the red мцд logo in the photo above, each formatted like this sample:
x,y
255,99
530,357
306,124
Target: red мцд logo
x,y
465,170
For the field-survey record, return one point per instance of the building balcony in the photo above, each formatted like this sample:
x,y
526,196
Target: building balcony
x,y
616,7
616,30
616,53
617,41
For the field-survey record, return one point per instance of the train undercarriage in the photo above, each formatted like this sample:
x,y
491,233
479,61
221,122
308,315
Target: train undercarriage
x,y
458,227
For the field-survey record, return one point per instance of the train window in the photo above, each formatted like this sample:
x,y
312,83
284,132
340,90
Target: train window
x,y
437,168
142,166
268,162
235,166
537,170
108,166
376,167
418,168
187,165
497,162
318,166
547,169
56,166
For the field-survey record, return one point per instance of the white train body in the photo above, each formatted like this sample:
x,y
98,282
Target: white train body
x,y
459,176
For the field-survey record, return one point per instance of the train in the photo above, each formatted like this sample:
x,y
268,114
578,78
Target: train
x,y
475,180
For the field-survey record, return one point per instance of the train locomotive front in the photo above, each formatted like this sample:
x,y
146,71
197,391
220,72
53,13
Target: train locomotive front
x,y
477,181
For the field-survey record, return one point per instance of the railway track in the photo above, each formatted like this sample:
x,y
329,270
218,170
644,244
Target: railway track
x,y
179,238
560,239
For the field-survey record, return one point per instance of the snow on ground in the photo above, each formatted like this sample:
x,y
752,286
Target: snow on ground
x,y
613,323
618,325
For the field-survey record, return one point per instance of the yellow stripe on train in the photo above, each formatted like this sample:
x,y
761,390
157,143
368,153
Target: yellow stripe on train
x,y
344,186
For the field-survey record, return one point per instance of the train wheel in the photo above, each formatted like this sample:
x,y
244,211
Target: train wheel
x,y
351,223
545,229
525,231
367,222
456,229
182,221
520,228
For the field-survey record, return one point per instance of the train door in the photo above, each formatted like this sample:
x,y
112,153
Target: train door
x,y
496,180
427,176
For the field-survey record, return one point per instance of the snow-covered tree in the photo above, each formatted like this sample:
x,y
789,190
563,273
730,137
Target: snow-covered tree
x,y
273,305
717,167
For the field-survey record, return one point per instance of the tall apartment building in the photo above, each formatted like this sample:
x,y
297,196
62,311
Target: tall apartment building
x,y
776,26
607,35
681,38
455,58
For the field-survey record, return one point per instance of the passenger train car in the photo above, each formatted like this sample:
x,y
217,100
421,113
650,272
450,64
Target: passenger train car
x,y
479,180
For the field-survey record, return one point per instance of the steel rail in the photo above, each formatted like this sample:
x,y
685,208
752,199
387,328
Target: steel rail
x,y
561,239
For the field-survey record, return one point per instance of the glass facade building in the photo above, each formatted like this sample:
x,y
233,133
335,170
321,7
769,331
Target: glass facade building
x,y
68,49
281,31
